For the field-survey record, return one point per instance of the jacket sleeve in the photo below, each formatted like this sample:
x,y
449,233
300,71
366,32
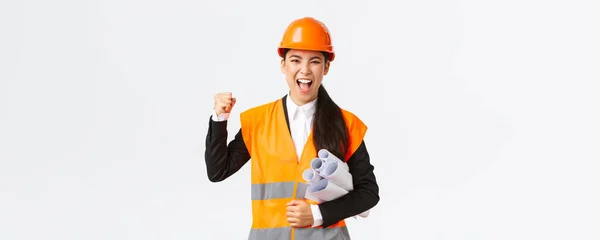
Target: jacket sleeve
x,y
222,159
363,197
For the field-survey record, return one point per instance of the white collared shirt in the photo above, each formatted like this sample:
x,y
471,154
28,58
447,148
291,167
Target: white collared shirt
x,y
300,118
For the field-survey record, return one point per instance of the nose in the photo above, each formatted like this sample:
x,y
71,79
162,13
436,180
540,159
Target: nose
x,y
305,69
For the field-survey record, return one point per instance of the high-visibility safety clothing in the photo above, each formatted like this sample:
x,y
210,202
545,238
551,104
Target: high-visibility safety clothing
x,y
307,34
276,173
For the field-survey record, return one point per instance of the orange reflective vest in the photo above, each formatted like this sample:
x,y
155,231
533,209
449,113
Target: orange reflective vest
x,y
277,173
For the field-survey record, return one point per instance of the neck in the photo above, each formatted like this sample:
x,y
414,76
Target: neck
x,y
298,101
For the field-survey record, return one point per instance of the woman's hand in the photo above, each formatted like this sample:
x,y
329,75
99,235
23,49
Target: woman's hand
x,y
299,213
223,103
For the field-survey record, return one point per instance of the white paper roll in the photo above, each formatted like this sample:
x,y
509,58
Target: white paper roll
x,y
308,195
328,156
316,164
310,176
319,186
364,214
333,171
326,190
335,181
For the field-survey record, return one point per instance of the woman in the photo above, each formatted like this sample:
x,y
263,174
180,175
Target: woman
x,y
283,136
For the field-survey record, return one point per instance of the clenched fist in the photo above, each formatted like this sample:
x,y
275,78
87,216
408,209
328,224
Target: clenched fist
x,y
224,103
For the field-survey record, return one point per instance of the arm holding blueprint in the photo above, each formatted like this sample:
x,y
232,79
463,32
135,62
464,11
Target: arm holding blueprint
x,y
340,201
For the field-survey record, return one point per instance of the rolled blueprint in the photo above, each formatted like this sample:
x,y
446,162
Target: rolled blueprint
x,y
311,176
334,172
364,214
323,190
328,179
326,190
316,164
327,156
308,195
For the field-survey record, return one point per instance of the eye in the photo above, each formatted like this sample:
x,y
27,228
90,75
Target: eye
x,y
316,62
295,60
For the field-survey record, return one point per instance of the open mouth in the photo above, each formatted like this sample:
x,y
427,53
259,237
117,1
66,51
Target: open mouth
x,y
304,84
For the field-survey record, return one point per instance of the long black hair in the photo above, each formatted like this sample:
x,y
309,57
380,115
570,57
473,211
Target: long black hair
x,y
329,127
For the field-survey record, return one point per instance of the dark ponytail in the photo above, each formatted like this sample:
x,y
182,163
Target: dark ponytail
x,y
329,128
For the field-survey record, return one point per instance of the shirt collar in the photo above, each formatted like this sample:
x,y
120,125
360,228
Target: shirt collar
x,y
308,109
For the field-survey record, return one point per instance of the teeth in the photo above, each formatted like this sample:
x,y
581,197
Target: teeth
x,y
304,81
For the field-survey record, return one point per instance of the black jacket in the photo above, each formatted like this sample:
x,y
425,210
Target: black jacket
x,y
223,160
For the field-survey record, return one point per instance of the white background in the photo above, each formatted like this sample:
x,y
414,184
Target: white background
x,y
484,115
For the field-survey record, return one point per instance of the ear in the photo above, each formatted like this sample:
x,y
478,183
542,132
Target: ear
x,y
326,68
282,66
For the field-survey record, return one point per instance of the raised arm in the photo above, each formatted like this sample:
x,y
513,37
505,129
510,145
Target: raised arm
x,y
222,159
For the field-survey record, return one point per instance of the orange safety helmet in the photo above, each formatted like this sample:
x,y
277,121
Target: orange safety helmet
x,y
307,33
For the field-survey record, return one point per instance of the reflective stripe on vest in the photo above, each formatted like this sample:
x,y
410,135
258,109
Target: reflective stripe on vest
x,y
265,191
337,233
270,233
276,173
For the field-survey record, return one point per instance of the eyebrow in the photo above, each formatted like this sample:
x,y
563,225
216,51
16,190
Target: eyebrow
x,y
301,57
